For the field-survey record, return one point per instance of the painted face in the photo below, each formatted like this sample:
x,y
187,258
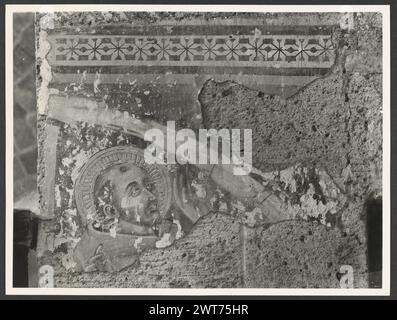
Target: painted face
x,y
132,194
137,201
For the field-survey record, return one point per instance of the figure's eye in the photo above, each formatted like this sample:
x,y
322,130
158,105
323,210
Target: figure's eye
x,y
123,169
133,189
147,184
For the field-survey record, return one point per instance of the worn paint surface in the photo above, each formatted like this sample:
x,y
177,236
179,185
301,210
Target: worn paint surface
x,y
308,118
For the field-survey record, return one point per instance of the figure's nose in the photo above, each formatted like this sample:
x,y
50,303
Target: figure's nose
x,y
148,194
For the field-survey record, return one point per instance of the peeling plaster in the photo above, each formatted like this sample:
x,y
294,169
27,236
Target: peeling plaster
x,y
346,22
44,74
179,233
165,241
137,242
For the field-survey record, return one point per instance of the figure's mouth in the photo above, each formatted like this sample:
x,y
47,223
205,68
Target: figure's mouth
x,y
151,214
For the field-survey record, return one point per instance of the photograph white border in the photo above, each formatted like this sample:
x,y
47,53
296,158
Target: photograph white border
x,y
384,291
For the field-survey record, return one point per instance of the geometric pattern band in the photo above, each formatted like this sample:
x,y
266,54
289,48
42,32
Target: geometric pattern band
x,y
285,51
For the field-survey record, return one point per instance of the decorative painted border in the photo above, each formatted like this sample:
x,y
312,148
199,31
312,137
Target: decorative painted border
x,y
277,51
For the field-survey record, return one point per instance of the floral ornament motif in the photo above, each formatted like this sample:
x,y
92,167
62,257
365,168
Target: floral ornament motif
x,y
208,46
259,49
233,51
326,49
70,49
165,49
146,49
278,53
121,49
187,49
93,49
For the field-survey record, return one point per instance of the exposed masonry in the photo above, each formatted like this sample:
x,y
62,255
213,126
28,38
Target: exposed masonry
x,y
277,114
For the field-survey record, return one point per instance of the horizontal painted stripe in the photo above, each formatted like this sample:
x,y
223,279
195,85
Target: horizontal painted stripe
x,y
190,92
203,29
222,64
138,79
145,69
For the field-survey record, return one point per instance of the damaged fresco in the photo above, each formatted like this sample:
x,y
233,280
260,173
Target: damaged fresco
x,y
301,82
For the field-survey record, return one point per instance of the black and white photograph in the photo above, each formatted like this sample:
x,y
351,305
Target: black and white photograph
x,y
193,150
